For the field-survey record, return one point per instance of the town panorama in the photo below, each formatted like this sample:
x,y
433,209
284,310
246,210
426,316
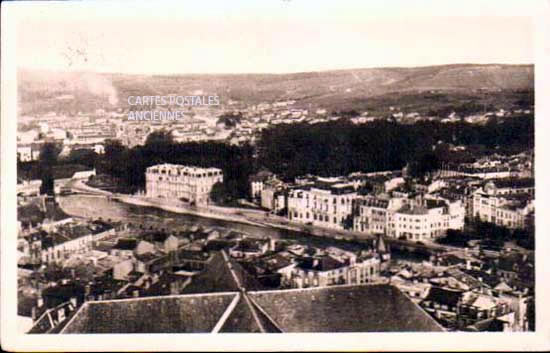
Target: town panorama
x,y
368,200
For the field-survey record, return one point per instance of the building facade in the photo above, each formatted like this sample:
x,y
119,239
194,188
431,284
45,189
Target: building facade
x,y
329,271
189,184
328,207
425,219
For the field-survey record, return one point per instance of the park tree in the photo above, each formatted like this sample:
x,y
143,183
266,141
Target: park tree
x,y
49,154
219,193
46,161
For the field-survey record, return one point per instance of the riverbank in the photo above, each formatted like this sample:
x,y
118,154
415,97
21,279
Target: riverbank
x,y
256,218
205,213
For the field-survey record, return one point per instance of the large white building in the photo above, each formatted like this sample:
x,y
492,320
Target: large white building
x,y
372,213
426,220
319,205
423,218
189,184
509,211
329,270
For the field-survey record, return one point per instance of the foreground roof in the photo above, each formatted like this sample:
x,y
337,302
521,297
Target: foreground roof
x,y
358,308
363,308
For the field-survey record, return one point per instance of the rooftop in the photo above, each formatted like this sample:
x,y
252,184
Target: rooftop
x,y
172,314
363,308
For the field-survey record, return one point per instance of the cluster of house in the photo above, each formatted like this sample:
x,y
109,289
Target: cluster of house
x,y
59,240
82,132
496,166
66,263
459,290
90,131
472,292
480,118
393,204
294,265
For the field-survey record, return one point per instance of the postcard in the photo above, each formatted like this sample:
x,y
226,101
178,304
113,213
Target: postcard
x,y
278,175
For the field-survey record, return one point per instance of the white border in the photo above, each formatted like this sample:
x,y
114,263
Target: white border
x,y
11,340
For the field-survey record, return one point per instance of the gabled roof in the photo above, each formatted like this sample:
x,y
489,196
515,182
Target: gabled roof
x,y
165,314
126,244
361,308
444,296
216,277
325,263
489,325
503,286
483,302
247,317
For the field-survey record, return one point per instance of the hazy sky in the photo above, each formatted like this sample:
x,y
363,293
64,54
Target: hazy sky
x,y
272,35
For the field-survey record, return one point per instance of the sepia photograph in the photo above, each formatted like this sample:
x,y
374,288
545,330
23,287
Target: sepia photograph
x,y
283,166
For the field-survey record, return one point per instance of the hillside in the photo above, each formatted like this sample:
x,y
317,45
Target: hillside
x,y
43,91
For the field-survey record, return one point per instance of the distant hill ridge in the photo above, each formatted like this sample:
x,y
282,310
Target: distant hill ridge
x,y
41,91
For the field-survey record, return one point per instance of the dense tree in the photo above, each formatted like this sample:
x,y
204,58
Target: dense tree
x,y
47,186
129,165
427,163
84,157
327,149
338,148
49,153
230,120
113,148
220,194
46,161
159,138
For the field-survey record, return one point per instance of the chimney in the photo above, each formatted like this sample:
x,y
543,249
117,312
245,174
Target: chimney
x,y
61,314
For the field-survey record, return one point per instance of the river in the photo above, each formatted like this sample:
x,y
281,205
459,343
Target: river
x,y
94,207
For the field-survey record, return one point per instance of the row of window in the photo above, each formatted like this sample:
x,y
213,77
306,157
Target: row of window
x,y
316,217
199,175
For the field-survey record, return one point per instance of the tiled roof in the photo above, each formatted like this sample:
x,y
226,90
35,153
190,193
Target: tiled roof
x,y
325,263
444,296
165,314
216,277
489,325
366,308
30,213
247,317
